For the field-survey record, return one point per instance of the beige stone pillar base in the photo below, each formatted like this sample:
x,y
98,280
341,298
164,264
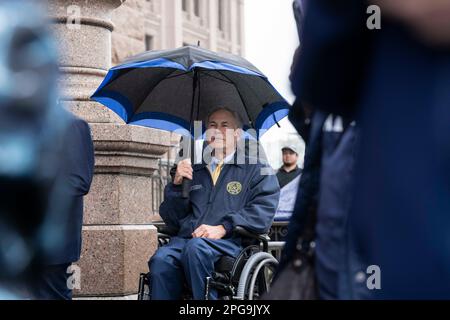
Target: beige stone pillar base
x,y
112,259
118,235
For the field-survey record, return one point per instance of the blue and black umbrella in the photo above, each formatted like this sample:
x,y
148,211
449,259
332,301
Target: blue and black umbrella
x,y
170,89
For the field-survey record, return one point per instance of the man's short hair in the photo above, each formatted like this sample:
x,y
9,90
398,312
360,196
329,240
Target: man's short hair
x,y
237,117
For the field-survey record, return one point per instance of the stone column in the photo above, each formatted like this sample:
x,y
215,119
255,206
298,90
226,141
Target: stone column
x,y
213,24
233,25
241,8
172,28
118,237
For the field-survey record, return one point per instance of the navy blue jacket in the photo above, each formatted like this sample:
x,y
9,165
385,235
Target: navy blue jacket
x,y
242,196
335,198
326,186
399,87
78,173
406,227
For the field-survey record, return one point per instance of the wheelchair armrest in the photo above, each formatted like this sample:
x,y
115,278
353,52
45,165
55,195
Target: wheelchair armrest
x,y
262,238
165,231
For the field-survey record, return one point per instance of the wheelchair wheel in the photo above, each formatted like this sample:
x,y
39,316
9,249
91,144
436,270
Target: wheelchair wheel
x,y
256,276
261,279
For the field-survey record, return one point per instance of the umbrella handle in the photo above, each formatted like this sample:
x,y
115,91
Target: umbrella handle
x,y
186,188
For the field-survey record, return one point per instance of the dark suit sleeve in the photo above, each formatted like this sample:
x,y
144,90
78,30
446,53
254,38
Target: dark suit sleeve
x,y
80,157
257,215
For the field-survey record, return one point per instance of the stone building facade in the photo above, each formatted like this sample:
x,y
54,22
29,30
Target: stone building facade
x,y
118,231
162,24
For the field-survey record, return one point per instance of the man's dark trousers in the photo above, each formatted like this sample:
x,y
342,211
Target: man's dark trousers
x,y
190,260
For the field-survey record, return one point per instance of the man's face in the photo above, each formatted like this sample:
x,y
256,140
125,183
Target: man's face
x,y
289,157
222,131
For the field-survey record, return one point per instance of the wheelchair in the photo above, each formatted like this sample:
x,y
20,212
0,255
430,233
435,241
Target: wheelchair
x,y
245,277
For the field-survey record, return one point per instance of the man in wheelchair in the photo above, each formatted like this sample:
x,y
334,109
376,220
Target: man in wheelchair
x,y
225,193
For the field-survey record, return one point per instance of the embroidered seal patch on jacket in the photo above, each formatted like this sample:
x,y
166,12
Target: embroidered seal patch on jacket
x,y
234,187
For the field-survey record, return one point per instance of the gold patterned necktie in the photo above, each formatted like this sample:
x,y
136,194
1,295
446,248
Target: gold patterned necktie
x,y
216,173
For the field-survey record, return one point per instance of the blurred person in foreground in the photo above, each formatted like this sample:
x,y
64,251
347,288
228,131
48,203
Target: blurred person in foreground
x,y
394,81
318,224
40,166
53,282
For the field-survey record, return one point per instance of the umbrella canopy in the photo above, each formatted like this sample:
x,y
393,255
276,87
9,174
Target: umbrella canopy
x,y
169,89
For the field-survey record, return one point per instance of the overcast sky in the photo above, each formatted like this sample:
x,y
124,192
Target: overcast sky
x,y
271,39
